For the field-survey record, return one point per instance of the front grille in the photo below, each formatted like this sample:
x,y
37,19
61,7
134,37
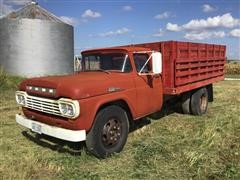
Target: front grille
x,y
42,104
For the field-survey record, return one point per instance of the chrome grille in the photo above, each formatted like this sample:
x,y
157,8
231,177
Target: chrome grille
x,y
42,104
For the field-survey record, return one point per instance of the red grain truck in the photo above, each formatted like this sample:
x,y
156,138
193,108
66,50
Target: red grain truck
x,y
119,85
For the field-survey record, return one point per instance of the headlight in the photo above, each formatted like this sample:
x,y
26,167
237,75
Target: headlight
x,y
21,98
69,108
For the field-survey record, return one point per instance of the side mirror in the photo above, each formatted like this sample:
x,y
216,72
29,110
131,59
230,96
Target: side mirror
x,y
156,62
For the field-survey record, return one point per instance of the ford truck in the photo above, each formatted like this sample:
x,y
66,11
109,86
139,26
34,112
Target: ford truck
x,y
119,85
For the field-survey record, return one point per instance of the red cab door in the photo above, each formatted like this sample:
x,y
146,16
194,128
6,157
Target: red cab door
x,y
148,87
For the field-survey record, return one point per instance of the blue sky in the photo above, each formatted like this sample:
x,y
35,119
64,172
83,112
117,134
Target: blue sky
x,y
110,23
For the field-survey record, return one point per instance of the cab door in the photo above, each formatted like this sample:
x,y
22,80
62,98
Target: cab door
x,y
148,86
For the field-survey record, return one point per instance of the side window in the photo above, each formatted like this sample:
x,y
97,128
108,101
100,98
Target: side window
x,y
140,60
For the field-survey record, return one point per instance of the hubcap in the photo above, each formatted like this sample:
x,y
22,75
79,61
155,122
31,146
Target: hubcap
x,y
203,103
111,132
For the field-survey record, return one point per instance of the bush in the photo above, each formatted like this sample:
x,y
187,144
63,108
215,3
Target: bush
x,y
7,81
3,77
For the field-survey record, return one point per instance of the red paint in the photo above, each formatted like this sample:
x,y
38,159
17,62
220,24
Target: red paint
x,y
186,66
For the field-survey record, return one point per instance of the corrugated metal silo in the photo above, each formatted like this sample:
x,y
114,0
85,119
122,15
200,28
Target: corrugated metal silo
x,y
34,42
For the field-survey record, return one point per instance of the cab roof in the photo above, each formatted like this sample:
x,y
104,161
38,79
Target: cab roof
x,y
130,48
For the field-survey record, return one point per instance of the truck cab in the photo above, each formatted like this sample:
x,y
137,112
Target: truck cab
x,y
115,87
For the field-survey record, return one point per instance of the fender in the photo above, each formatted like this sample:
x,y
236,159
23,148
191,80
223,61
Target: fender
x,y
90,106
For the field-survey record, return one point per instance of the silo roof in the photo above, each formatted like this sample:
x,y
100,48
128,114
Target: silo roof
x,y
34,11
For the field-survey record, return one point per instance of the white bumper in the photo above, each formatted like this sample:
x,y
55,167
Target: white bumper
x,y
61,133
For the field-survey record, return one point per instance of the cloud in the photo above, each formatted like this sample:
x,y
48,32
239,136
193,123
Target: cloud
x,y
69,20
127,8
173,27
208,8
224,21
199,29
204,35
159,33
120,31
235,33
91,14
163,15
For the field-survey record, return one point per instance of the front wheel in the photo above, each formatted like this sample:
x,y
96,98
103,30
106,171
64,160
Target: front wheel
x,y
109,132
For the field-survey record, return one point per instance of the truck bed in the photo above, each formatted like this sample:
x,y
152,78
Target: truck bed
x,y
187,65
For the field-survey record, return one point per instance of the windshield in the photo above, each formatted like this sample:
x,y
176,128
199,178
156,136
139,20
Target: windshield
x,y
118,62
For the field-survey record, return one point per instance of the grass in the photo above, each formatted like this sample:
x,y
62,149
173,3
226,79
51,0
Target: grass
x,y
232,68
8,82
235,76
174,147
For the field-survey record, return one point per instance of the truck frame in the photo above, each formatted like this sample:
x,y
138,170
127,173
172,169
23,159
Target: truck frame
x,y
117,86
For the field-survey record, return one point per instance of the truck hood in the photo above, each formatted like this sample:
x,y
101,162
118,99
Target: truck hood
x,y
79,86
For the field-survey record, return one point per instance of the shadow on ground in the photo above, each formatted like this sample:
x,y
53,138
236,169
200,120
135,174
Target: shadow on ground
x,y
74,149
55,144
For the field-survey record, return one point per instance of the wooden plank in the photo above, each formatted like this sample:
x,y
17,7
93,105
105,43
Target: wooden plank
x,y
198,71
197,59
193,65
192,79
189,87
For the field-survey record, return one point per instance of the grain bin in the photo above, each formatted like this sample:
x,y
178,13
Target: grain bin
x,y
34,42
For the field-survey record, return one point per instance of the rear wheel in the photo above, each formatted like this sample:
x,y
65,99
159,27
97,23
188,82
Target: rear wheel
x,y
199,102
186,103
109,132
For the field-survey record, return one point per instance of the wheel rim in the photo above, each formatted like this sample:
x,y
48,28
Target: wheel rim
x,y
111,132
203,102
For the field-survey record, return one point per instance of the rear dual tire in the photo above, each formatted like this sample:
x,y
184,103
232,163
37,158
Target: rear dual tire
x,y
199,102
186,103
195,103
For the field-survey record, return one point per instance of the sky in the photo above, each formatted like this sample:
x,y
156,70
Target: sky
x,y
103,23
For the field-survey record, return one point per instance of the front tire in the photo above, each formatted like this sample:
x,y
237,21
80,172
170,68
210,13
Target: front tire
x,y
199,102
109,132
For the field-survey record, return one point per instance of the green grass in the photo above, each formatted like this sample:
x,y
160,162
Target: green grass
x,y
8,82
174,147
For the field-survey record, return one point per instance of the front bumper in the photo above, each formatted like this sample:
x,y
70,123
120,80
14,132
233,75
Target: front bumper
x,y
57,132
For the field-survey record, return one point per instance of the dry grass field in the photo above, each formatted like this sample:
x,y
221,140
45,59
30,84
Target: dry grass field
x,y
175,146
